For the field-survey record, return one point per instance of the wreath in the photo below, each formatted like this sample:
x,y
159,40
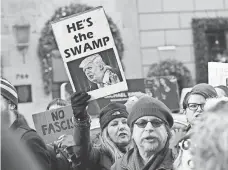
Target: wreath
x,y
172,68
47,47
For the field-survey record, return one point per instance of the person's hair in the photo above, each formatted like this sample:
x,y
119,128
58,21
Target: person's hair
x,y
109,146
210,136
185,101
58,102
216,104
168,129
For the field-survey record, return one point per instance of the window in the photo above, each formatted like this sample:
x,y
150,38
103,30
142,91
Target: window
x,y
24,93
217,46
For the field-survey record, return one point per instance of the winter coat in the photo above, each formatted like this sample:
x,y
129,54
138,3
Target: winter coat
x,y
131,161
14,155
33,142
88,156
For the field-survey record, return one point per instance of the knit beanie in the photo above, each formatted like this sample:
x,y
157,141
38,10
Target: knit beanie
x,y
224,88
149,106
9,91
206,90
112,111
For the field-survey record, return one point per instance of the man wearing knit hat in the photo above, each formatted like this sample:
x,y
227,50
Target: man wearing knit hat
x,y
17,124
9,102
150,121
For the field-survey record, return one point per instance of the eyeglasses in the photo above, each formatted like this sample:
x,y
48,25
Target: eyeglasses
x,y
195,106
155,123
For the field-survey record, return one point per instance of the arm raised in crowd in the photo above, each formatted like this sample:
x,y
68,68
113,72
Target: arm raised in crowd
x,y
85,154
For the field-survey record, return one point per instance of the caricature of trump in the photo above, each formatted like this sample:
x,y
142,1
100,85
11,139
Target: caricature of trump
x,y
98,72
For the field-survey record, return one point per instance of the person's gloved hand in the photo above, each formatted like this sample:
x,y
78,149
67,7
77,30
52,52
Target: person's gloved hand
x,y
79,102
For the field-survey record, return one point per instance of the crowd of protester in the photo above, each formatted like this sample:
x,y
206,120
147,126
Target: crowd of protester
x,y
137,135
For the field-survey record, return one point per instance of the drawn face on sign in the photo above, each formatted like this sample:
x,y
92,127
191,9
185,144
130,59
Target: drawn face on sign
x,y
94,72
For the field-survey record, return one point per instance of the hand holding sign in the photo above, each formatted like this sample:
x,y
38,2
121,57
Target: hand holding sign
x,y
79,102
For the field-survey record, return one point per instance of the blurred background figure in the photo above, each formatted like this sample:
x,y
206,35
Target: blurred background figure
x,y
210,137
222,91
14,155
57,103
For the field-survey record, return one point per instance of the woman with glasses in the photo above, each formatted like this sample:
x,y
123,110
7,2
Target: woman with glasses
x,y
196,99
114,138
193,106
150,122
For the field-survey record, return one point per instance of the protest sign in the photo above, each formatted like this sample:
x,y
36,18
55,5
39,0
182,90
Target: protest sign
x,y
165,89
89,53
51,124
217,73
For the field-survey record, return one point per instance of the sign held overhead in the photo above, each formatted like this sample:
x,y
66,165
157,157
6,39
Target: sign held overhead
x,y
89,53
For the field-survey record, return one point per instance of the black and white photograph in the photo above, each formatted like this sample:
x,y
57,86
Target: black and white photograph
x,y
95,71
114,85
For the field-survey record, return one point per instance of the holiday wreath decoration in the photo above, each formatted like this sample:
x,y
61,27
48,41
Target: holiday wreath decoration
x,y
172,68
47,47
200,27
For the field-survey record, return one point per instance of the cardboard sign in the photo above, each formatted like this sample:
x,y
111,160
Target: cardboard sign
x,y
51,124
89,53
165,89
217,73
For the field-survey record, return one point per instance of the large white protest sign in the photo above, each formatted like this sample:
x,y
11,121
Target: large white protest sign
x,y
217,73
89,53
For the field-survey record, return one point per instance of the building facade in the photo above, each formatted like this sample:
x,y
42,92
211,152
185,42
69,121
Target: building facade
x,y
152,31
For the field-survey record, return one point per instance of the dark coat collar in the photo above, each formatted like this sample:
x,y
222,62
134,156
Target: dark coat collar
x,y
163,160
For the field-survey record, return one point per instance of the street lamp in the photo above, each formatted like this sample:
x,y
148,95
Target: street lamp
x,y
22,35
